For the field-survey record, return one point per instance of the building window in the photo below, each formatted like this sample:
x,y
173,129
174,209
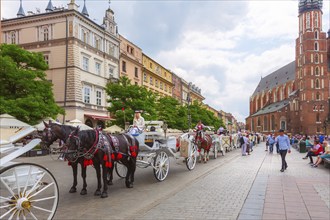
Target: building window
x,y
316,20
45,33
97,68
87,94
317,84
136,72
316,35
136,83
111,49
123,66
144,77
316,46
84,36
151,81
12,37
161,85
98,97
111,70
85,63
97,43
46,58
308,20
156,83
283,125
316,58
317,71
317,117
318,97
150,65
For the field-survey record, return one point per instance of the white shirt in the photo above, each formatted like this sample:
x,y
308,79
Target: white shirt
x,y
139,123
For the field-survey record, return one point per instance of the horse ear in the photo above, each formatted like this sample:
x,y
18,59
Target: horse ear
x,y
46,125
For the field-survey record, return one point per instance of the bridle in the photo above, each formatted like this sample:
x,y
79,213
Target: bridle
x,y
48,133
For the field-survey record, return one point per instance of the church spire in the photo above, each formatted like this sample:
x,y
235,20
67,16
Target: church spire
x,y
20,12
84,11
50,6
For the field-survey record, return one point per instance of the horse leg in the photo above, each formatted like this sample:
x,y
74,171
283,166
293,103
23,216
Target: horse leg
x,y
200,156
131,168
83,175
110,175
105,171
74,166
98,176
128,174
205,155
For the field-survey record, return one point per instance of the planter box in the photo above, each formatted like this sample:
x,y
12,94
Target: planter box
x,y
35,153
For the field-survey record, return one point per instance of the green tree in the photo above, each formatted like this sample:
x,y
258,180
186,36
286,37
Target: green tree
x,y
124,98
25,92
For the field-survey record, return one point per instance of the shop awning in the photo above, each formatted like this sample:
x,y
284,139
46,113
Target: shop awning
x,y
99,117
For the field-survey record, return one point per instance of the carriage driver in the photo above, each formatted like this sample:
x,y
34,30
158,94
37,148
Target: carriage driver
x,y
138,120
199,128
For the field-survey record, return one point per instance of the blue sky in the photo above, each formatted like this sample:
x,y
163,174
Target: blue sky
x,y
223,47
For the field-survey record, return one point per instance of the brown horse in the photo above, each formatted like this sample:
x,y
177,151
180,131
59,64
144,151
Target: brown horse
x,y
203,142
50,134
103,149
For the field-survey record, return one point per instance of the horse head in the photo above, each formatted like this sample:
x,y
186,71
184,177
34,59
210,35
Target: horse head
x,y
48,135
73,144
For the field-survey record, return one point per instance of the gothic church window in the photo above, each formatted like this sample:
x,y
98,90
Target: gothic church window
x,y
317,83
318,98
316,35
308,20
317,71
316,46
316,58
316,20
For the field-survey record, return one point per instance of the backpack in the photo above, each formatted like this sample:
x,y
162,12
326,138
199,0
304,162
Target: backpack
x,y
241,140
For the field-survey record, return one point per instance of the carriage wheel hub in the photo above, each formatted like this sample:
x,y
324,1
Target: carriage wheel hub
x,y
23,203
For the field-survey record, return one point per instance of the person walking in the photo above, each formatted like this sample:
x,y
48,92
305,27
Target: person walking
x,y
284,147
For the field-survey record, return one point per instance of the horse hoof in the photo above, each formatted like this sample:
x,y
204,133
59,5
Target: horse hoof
x,y
83,192
97,193
73,190
104,195
110,182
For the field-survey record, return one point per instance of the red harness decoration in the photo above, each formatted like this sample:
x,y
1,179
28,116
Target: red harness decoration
x,y
133,150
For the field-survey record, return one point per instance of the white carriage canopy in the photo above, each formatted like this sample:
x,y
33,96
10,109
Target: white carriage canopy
x,y
9,126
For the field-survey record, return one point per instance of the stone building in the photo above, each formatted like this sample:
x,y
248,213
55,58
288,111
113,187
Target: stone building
x,y
296,97
82,55
156,78
177,87
130,61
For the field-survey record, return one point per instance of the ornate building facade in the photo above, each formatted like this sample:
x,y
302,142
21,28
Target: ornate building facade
x,y
130,61
296,97
82,55
156,78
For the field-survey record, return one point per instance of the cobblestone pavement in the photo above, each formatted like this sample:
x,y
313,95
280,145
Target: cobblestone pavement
x,y
230,187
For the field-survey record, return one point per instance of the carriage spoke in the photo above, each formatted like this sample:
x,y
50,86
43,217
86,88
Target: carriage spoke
x,y
5,206
9,211
43,189
17,184
28,179
43,199
4,198
12,215
42,209
8,188
36,184
33,216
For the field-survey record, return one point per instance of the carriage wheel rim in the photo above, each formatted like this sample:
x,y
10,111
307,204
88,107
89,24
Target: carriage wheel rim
x,y
191,160
20,199
162,166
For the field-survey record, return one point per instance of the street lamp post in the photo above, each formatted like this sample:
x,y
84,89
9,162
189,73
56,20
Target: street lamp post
x,y
189,101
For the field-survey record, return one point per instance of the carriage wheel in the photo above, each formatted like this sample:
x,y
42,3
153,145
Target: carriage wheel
x,y
121,169
191,160
28,191
161,165
215,150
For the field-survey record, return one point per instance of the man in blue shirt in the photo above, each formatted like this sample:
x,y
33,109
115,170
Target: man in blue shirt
x,y
284,147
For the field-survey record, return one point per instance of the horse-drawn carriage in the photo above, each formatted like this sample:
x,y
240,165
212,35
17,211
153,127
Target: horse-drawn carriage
x,y
27,190
156,148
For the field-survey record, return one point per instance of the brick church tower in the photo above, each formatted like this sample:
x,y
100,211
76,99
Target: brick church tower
x,y
312,73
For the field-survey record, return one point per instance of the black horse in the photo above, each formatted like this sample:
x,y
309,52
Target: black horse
x,y
105,149
51,133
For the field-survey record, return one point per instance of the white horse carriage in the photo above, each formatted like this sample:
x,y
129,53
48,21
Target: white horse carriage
x,y
156,148
217,146
27,190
